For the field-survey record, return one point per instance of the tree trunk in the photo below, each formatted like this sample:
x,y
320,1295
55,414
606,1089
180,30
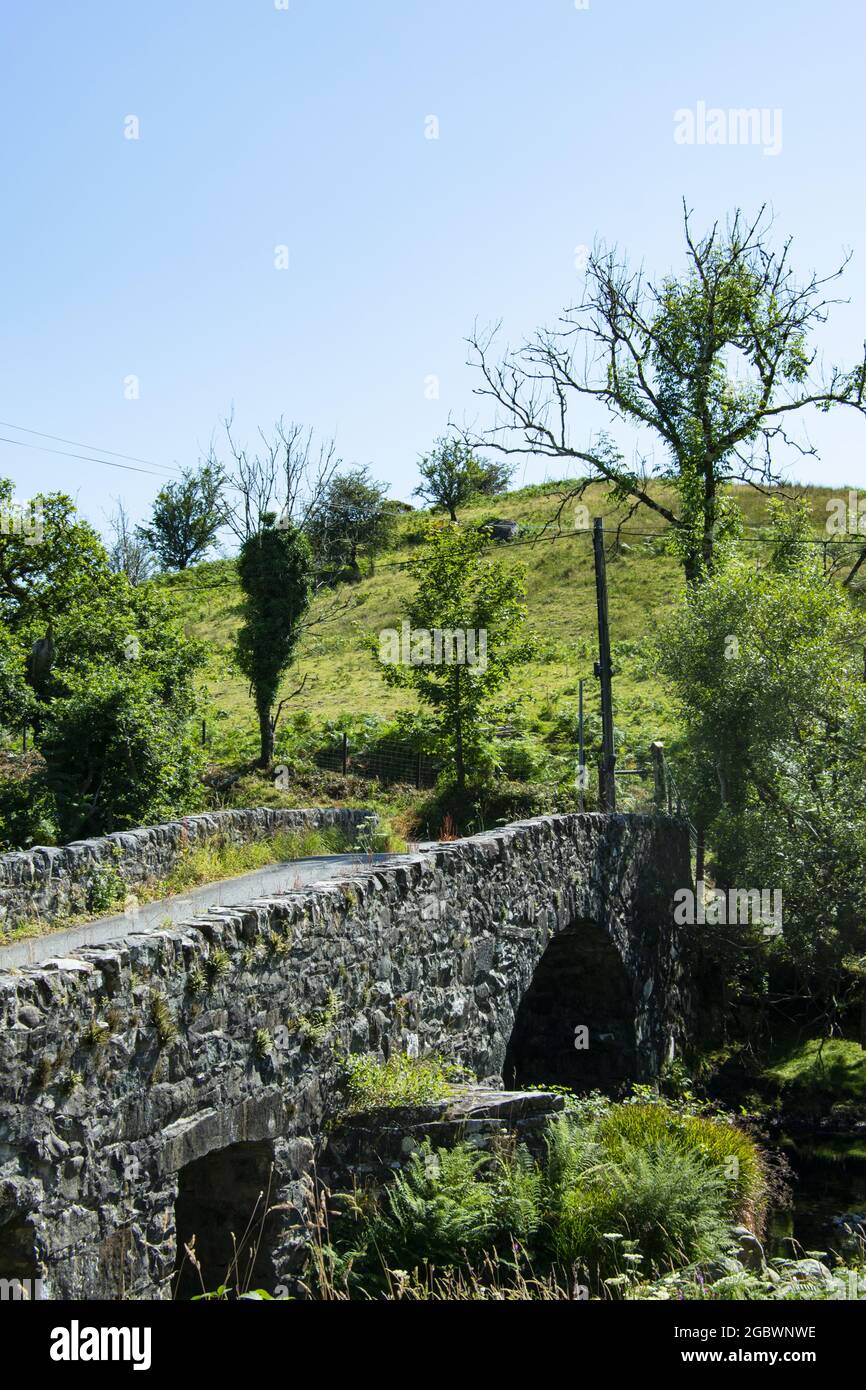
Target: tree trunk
x,y
710,517
266,734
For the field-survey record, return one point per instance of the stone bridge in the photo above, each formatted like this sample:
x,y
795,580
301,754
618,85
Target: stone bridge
x,y
152,1087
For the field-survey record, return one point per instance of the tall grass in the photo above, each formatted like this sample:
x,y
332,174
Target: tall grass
x,y
220,858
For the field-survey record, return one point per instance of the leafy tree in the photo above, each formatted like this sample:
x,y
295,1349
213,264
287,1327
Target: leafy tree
x,y
767,667
710,366
115,755
16,697
37,576
104,673
451,475
274,568
186,518
461,589
351,517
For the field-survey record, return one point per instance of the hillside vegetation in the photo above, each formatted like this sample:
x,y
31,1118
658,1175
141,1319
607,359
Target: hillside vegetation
x,y
343,682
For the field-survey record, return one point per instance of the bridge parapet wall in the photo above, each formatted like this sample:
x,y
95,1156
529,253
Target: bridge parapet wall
x,y
53,883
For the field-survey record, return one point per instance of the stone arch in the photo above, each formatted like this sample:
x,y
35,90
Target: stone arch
x,y
579,982
21,1270
223,1201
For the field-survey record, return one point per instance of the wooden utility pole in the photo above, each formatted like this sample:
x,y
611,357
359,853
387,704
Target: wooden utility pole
x,y
603,669
581,757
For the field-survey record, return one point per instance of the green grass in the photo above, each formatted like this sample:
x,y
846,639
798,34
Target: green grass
x,y
727,1149
814,1071
219,859
644,582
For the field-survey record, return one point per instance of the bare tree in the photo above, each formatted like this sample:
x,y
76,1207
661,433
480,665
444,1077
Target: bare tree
x,y
710,365
286,477
128,553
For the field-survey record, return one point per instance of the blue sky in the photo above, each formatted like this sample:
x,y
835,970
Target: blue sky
x,y
305,127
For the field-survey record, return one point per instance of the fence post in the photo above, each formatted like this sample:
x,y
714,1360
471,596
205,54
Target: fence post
x,y
345,754
204,733
418,775
699,854
24,738
660,795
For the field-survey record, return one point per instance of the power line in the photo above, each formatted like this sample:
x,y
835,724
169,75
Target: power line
x,y
65,453
559,536
94,448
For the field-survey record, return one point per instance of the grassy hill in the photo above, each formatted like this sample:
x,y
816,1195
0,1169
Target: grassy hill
x,y
343,680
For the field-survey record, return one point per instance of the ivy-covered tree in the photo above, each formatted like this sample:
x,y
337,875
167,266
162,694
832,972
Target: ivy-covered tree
x,y
275,572
478,610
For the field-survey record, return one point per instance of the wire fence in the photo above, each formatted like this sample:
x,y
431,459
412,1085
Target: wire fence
x,y
392,762
386,762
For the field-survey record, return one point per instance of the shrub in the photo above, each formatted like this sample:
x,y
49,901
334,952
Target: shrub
x,y
371,1084
520,760
112,729
668,1203
438,1211
447,1209
105,888
722,1146
26,814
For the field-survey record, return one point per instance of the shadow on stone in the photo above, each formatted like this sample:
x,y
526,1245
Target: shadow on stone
x,y
579,983
221,1201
